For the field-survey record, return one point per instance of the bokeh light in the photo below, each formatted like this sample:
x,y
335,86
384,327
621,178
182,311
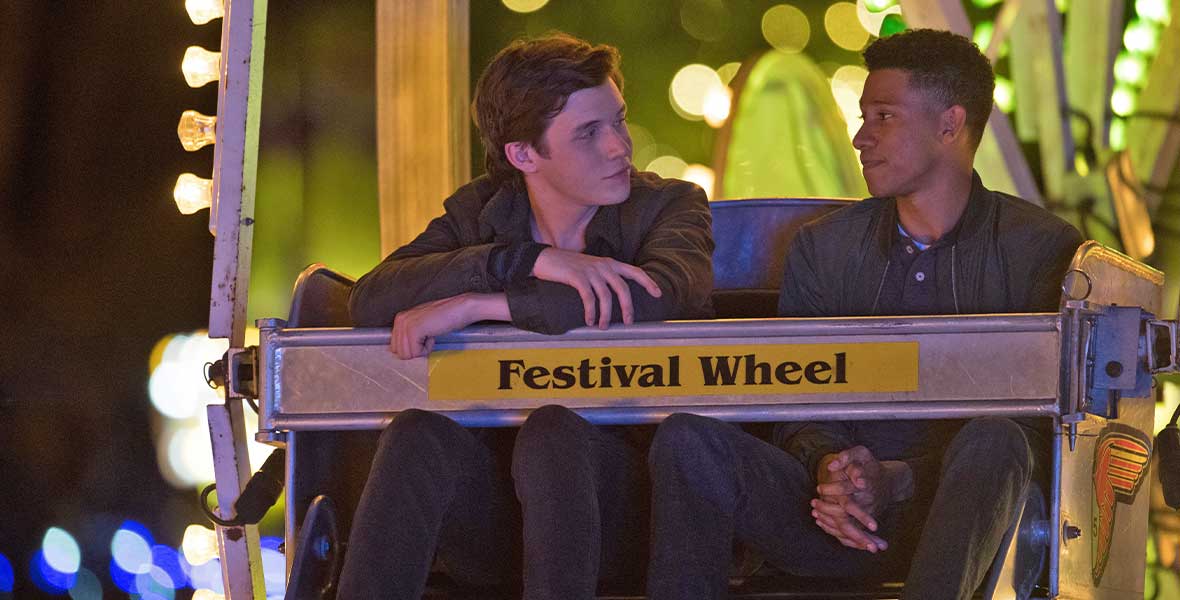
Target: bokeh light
x,y
1154,10
689,87
718,100
203,11
700,175
274,571
786,28
705,20
1142,36
842,25
525,6
1130,69
206,594
199,545
155,584
207,576
872,20
61,551
893,24
667,166
1118,134
986,3
1123,100
1004,95
48,579
168,560
848,83
131,549
87,586
728,71
121,578
7,574
983,34
879,5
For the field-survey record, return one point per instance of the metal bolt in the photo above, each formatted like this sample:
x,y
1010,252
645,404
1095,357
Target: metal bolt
x,y
1114,368
1072,532
322,547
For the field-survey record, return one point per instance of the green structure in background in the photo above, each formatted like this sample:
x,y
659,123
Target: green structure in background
x,y
787,136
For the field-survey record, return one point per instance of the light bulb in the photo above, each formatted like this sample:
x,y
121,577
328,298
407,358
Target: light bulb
x,y
196,130
192,193
200,66
203,11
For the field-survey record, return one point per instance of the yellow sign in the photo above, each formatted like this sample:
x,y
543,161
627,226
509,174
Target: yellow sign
x,y
619,372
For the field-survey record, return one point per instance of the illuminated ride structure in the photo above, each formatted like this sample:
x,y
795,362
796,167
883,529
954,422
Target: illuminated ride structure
x,y
1087,368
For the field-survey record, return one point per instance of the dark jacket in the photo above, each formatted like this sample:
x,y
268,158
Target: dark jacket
x,y
1009,256
483,243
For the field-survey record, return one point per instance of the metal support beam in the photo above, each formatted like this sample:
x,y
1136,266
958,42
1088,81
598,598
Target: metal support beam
x,y
235,165
241,557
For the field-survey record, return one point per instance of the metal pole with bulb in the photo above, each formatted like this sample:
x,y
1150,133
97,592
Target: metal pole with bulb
x,y
229,195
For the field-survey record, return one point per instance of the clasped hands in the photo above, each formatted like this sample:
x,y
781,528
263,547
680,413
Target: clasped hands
x,y
853,489
597,280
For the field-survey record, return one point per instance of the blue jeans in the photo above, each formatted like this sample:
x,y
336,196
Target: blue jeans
x,y
713,483
569,502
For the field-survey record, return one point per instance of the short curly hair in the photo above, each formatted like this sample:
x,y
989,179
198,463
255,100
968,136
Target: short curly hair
x,y
947,66
525,85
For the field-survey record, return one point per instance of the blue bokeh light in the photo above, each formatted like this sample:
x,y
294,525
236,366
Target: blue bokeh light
x,y
7,575
87,587
48,579
168,560
208,576
155,585
61,551
132,550
123,580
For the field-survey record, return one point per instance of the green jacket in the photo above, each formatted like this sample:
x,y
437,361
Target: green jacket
x,y
483,243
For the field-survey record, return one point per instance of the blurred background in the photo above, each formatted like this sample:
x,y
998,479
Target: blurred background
x,y
104,285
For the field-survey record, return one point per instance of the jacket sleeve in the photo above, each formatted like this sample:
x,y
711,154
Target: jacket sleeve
x,y
1055,251
677,252
800,294
810,442
435,265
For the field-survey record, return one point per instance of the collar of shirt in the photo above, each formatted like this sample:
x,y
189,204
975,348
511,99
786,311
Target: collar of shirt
x,y
507,215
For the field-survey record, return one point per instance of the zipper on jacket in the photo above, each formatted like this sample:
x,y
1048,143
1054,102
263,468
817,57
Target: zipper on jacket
x,y
881,286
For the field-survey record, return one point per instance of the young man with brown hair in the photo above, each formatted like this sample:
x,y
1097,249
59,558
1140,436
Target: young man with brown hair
x,y
878,499
561,232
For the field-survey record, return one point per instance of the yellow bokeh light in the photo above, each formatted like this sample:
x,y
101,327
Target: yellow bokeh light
x,y
842,25
786,28
203,11
199,544
717,104
728,71
192,193
1123,100
700,175
667,166
1004,95
200,66
847,84
871,21
690,85
525,6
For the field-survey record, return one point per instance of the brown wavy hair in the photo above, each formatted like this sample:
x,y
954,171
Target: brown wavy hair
x,y
525,85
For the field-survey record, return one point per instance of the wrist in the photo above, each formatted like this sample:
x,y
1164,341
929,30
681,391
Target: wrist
x,y
486,307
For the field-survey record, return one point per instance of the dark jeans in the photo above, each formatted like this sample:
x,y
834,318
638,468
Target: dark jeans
x,y
712,484
438,489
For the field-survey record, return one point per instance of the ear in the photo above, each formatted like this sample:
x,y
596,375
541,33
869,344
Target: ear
x,y
521,155
952,123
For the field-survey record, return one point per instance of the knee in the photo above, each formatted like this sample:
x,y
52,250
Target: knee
x,y
995,441
417,432
684,439
552,438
